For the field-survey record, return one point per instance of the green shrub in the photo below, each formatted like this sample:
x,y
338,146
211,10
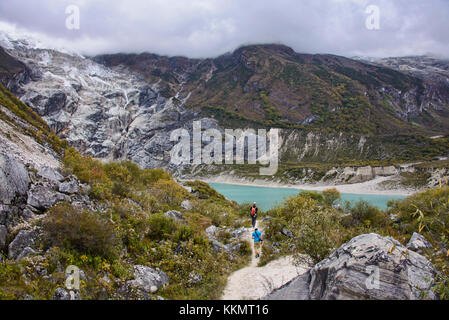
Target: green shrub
x,y
183,233
68,227
245,248
330,196
84,167
205,191
364,213
317,233
169,192
160,227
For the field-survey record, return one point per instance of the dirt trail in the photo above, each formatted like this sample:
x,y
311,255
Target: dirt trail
x,y
252,282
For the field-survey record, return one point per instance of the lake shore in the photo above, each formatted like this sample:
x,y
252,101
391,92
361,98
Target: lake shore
x,y
371,187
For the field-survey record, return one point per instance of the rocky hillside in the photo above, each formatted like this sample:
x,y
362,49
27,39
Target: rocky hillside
x,y
361,252
133,233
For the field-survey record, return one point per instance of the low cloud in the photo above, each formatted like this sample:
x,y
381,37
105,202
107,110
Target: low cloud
x,y
207,28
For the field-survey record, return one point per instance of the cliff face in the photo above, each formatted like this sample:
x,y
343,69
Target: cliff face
x,y
105,113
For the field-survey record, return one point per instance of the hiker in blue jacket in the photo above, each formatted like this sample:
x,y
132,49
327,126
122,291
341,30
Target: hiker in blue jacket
x,y
257,236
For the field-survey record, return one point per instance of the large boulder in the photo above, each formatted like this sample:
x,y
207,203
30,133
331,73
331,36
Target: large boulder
x,y
148,280
69,187
367,267
51,174
24,239
14,180
42,197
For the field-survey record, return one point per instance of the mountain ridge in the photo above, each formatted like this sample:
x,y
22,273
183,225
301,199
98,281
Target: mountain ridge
x,y
125,106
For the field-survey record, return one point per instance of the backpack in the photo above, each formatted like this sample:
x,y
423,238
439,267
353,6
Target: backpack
x,y
253,211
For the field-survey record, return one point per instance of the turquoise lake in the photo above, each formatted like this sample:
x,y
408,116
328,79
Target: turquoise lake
x,y
267,197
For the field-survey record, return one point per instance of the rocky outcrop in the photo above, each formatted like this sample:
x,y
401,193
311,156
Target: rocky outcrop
x,y
25,240
14,180
418,242
50,174
69,187
367,267
148,280
42,197
175,215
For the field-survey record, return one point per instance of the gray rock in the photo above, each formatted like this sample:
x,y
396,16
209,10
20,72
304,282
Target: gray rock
x,y
186,205
367,267
148,280
287,233
234,247
237,233
27,214
212,230
218,246
418,242
25,253
176,215
297,289
43,198
50,174
24,239
195,277
70,187
3,235
14,179
61,294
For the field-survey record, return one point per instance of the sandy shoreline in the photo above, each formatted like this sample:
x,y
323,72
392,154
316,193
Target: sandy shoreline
x,y
369,187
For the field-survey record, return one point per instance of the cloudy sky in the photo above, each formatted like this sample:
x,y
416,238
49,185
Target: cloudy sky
x,y
207,28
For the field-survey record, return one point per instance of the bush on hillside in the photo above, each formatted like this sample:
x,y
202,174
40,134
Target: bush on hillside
x,y
86,232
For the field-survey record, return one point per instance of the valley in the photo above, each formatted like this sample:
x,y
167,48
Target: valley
x,y
88,178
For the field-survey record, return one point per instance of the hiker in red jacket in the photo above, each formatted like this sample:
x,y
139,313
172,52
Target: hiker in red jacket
x,y
253,214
